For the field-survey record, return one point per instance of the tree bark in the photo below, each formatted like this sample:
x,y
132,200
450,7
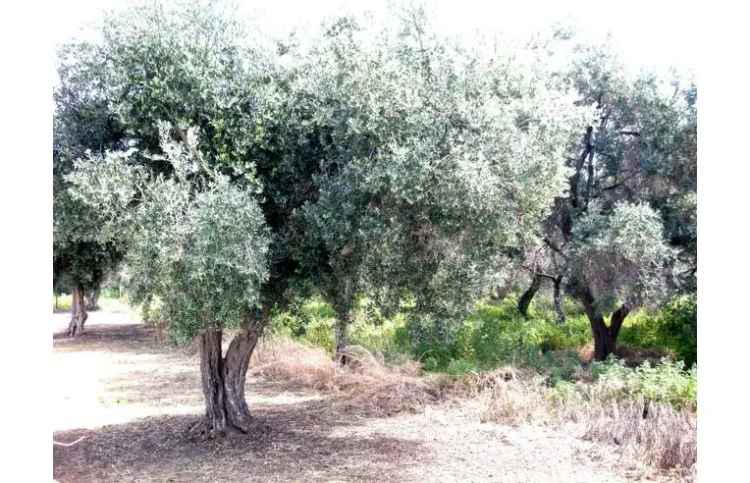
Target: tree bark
x,y
92,300
223,380
528,295
605,336
342,336
236,363
343,303
78,314
212,380
557,297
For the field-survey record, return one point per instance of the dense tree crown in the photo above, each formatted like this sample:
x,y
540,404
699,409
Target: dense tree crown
x,y
196,240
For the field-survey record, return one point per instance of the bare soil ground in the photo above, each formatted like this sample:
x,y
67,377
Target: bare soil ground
x,y
134,400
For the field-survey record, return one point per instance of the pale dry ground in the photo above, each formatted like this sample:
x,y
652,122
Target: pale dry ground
x,y
134,400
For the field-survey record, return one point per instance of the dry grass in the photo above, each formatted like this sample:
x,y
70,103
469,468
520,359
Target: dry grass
x,y
661,436
364,386
633,356
665,438
646,434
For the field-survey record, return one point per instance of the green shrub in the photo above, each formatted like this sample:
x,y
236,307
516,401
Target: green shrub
x,y
383,338
673,327
63,302
667,382
319,332
678,327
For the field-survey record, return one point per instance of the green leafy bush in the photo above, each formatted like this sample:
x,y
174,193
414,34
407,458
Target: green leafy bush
x,y
673,327
666,382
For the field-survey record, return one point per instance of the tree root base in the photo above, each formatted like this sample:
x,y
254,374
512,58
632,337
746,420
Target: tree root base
x,y
201,430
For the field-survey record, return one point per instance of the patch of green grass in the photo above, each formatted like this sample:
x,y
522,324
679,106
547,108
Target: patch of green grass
x,y
62,303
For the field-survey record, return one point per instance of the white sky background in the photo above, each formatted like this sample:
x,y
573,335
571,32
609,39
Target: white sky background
x,y
653,35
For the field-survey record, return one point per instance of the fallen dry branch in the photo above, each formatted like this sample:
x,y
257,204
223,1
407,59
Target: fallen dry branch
x,y
68,445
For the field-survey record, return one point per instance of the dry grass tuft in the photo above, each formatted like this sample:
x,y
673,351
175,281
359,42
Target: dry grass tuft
x,y
280,358
365,385
513,400
656,434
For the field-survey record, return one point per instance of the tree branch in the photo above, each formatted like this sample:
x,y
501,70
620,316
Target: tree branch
x,y
537,272
554,247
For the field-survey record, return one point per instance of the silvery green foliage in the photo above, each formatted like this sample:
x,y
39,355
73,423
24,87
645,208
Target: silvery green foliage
x,y
81,122
641,151
621,255
185,62
196,240
440,158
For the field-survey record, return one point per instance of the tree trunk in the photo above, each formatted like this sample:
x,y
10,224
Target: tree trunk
x,y
212,380
343,303
528,295
92,300
236,362
342,337
223,380
605,336
558,300
78,314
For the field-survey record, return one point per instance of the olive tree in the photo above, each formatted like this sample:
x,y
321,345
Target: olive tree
x,y
82,121
198,242
432,159
185,64
630,170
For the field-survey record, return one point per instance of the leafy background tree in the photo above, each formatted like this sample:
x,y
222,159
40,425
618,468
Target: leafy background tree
x,y
637,152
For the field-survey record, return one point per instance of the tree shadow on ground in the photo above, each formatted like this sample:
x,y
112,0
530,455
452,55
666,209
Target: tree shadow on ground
x,y
303,441
298,436
135,338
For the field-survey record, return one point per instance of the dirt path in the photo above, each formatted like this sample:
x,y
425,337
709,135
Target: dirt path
x,y
134,400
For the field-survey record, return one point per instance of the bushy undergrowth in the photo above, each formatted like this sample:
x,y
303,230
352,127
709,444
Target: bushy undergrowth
x,y
648,412
518,370
312,321
62,302
667,382
496,334
673,327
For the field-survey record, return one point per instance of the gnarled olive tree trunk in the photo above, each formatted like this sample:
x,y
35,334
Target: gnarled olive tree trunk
x,y
342,336
78,314
223,380
605,336
343,304
525,301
